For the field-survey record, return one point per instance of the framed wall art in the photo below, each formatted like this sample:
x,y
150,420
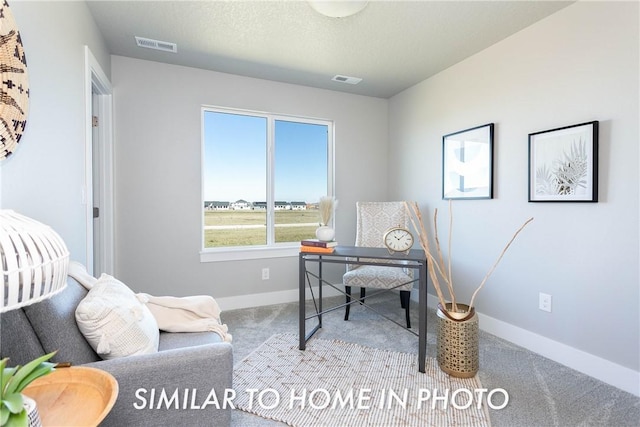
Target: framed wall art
x,y
563,164
467,163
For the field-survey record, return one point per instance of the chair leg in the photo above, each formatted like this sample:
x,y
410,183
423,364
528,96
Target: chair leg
x,y
362,294
405,298
347,290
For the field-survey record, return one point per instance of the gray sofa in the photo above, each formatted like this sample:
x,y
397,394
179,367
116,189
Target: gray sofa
x,y
195,361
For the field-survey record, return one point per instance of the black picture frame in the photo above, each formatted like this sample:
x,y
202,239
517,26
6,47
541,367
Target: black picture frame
x,y
467,163
563,164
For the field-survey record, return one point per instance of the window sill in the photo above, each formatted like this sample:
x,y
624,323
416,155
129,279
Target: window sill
x,y
239,254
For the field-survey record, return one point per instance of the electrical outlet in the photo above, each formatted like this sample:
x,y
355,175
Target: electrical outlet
x,y
265,274
544,302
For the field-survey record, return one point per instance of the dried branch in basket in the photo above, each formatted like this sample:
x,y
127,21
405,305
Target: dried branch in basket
x,y
436,267
454,307
448,277
423,238
473,297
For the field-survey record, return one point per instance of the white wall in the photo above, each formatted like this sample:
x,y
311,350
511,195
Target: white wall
x,y
43,179
157,157
578,65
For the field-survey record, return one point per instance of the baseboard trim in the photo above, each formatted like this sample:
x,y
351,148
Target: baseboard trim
x,y
266,298
604,370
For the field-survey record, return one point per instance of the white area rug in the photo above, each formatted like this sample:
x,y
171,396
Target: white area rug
x,y
335,383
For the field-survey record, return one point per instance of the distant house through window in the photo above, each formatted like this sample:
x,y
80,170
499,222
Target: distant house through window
x,y
262,176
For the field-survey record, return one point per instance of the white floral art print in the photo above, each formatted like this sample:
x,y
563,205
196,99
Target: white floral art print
x,y
563,164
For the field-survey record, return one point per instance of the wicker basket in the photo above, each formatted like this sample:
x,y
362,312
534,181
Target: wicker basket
x,y
32,412
14,103
458,343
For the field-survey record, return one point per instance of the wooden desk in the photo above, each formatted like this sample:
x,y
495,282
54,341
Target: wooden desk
x,y
76,396
415,259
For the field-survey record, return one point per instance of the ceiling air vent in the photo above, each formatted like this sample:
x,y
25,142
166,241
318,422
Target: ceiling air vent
x,y
346,79
156,44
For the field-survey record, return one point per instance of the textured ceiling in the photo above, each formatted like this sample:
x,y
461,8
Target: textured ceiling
x,y
391,45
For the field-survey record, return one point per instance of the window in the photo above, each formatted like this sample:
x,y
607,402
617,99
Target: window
x,y
262,177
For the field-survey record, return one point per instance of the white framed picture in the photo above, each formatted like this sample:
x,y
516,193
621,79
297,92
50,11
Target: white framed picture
x,y
563,164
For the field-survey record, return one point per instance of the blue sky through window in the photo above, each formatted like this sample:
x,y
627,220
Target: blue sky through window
x,y
235,159
300,161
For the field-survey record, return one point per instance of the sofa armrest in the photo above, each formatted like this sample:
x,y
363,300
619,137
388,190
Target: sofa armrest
x,y
172,387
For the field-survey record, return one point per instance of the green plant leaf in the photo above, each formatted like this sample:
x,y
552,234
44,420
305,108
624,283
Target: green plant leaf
x,y
18,420
42,369
4,415
13,402
6,374
22,372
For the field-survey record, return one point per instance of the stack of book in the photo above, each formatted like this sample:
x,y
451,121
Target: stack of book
x,y
317,246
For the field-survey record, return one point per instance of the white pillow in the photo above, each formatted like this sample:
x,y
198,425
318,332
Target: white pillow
x,y
115,322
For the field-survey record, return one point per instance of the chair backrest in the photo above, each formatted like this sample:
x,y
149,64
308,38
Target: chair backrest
x,y
375,218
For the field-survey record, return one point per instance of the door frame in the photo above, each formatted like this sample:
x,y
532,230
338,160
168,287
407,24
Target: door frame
x,y
96,82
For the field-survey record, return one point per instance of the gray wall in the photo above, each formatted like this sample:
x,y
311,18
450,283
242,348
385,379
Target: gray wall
x,y
578,65
157,157
44,178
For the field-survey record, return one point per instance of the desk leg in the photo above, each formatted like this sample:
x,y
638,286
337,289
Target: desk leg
x,y
301,300
320,291
422,328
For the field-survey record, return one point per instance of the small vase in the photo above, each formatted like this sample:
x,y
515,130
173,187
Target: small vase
x,y
32,411
457,340
325,233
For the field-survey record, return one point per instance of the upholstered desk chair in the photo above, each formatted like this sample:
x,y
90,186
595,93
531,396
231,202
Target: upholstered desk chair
x,y
373,220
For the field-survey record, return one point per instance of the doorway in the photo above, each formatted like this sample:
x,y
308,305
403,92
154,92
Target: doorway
x,y
99,169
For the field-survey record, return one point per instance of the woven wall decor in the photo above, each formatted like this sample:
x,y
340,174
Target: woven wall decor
x,y
14,83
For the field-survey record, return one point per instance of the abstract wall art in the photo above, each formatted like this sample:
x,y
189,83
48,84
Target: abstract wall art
x,y
467,163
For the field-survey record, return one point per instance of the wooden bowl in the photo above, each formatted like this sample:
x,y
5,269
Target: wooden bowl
x,y
76,396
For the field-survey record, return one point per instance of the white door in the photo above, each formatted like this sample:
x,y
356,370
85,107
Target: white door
x,y
97,175
99,169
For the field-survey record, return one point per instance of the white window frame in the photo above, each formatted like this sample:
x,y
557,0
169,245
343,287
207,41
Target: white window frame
x,y
274,250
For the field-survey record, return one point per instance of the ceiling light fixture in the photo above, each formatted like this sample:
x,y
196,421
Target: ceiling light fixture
x,y
338,8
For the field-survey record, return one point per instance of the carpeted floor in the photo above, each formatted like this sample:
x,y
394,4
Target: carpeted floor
x,y
337,383
541,392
